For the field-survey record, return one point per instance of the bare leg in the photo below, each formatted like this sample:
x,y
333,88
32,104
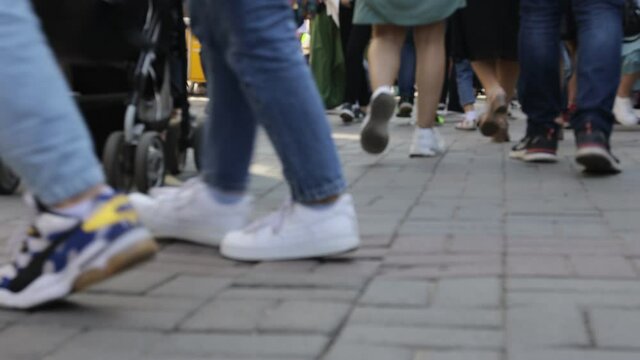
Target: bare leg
x,y
572,88
429,40
488,75
507,73
384,54
626,84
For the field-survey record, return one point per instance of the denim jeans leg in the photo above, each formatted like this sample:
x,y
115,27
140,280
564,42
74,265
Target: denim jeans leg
x,y
600,38
42,138
256,40
407,73
539,56
464,80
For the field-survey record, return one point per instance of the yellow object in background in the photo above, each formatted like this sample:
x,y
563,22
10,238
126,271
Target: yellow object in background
x,y
195,74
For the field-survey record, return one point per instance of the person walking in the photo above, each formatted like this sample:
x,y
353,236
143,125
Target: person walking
x,y
599,29
390,20
259,78
486,33
355,39
81,231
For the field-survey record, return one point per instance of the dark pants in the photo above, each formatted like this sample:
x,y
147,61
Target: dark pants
x,y
355,39
599,29
407,73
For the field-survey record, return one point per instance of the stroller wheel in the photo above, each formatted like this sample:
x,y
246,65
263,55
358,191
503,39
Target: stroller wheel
x,y
175,154
149,162
116,162
9,181
196,143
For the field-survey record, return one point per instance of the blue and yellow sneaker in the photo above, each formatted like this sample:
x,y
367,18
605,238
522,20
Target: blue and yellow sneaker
x,y
62,254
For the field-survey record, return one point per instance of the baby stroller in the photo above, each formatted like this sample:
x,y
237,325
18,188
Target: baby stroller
x,y
116,56
9,182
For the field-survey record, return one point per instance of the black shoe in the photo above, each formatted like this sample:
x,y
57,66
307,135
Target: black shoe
x,y
406,107
518,150
346,113
594,153
358,114
542,148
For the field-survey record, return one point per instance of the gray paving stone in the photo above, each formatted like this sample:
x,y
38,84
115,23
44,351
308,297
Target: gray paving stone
x,y
404,336
305,316
230,315
116,311
574,286
441,259
434,317
288,280
603,266
251,346
616,328
339,295
132,282
478,292
542,266
571,354
191,286
346,351
397,292
546,326
34,341
457,355
107,345
480,270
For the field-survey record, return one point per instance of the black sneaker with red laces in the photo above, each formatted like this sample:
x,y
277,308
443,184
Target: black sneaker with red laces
x,y
594,153
542,148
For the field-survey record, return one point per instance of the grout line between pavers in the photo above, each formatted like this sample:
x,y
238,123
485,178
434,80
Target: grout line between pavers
x,y
336,334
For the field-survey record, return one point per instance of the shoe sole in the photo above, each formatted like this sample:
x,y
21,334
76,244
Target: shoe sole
x,y
96,263
413,156
404,111
517,154
333,247
543,158
597,161
374,136
491,125
346,117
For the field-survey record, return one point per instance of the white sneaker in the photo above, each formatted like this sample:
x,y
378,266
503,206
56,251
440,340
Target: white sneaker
x,y
426,143
190,213
623,111
296,232
374,135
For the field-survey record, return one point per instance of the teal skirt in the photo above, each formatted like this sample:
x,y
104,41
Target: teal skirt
x,y
404,12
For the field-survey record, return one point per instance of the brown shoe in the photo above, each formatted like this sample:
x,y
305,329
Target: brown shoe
x,y
492,121
502,135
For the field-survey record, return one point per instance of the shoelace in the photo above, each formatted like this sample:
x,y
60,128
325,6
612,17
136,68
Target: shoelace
x,y
274,221
183,195
21,243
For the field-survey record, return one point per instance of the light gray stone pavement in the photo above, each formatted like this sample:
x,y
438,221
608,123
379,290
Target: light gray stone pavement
x,y
468,256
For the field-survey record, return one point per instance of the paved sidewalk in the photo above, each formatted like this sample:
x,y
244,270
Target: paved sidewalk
x,y
470,256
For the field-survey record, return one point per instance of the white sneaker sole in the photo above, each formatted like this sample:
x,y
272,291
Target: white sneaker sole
x,y
304,250
597,160
540,158
374,136
95,264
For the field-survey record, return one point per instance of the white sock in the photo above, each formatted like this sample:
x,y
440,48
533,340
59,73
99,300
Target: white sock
x,y
85,207
470,115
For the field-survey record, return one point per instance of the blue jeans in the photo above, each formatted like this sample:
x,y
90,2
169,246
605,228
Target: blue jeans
x,y
260,77
407,73
43,137
598,68
464,80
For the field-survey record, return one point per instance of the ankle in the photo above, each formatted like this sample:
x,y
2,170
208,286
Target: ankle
x,y
82,197
330,200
